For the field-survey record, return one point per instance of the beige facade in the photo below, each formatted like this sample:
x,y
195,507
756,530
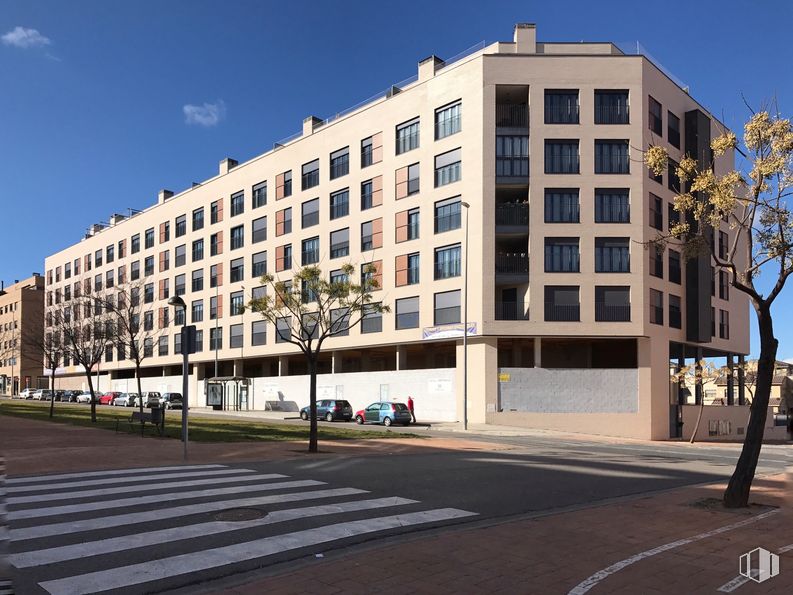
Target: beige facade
x,y
475,131
21,316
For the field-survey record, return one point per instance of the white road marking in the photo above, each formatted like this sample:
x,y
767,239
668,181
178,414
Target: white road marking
x,y
742,580
40,478
138,540
149,516
133,479
163,568
131,489
30,513
599,576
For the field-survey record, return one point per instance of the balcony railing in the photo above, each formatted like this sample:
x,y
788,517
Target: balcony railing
x,y
562,313
512,264
512,115
512,214
512,311
612,313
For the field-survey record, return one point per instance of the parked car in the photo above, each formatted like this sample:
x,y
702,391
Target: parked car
x,y
329,410
70,396
107,398
59,395
27,393
151,399
83,397
42,394
124,400
384,413
166,400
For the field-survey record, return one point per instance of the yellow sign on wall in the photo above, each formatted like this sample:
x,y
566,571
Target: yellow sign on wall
x,y
503,377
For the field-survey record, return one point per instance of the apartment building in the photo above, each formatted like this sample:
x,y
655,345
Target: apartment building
x,y
572,322
21,318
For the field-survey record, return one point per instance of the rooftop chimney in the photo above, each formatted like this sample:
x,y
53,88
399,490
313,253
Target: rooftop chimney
x,y
428,66
525,38
163,195
310,124
227,164
116,218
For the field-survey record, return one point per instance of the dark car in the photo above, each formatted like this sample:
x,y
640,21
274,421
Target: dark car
x,y
330,410
165,400
70,396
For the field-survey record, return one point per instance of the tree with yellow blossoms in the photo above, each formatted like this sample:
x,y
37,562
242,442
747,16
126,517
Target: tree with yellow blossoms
x,y
754,200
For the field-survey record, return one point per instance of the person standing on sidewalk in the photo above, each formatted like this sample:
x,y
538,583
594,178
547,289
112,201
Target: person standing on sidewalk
x,y
410,408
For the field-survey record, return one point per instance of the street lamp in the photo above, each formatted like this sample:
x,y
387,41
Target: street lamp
x,y
465,322
178,303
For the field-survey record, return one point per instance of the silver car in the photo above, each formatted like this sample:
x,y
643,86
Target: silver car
x,y
42,395
124,400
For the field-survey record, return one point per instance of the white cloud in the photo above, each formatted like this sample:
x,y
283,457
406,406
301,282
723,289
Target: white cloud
x,y
207,115
25,38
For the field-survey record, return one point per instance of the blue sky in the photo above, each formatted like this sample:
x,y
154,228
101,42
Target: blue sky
x,y
104,103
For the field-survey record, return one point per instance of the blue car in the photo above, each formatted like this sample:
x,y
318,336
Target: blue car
x,y
384,413
329,410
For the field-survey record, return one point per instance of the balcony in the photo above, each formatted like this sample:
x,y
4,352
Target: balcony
x,y
512,218
512,311
562,312
512,268
512,116
612,313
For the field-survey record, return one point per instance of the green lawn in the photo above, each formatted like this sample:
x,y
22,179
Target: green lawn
x,y
202,428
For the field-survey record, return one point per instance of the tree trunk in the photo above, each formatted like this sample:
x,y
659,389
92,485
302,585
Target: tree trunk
x,y
93,399
140,397
312,395
737,493
52,394
699,418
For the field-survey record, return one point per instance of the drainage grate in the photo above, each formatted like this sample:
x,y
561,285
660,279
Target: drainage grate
x,y
240,514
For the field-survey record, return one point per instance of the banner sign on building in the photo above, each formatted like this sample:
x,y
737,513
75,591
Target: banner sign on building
x,y
447,331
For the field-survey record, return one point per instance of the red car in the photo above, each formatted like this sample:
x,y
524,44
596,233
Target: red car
x,y
107,398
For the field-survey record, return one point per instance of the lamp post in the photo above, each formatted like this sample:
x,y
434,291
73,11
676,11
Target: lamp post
x,y
465,322
178,303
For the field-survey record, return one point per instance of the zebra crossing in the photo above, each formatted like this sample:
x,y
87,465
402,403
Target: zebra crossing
x,y
160,528
6,588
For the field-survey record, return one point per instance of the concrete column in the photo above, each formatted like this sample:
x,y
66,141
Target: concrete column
x,y
730,380
401,357
698,381
651,420
537,352
238,368
681,399
283,366
482,379
741,380
335,362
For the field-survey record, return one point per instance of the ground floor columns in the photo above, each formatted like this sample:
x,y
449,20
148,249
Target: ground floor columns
x,y
238,368
283,365
730,380
537,352
482,378
335,362
654,389
401,357
741,380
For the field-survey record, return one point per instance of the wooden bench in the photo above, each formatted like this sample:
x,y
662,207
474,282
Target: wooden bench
x,y
155,418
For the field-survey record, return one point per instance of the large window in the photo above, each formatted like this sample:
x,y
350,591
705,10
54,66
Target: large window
x,y
148,238
561,255
198,250
407,269
674,266
340,322
612,304
447,307
181,225
237,303
672,179
372,193
612,255
340,243
310,215
447,262
283,221
407,313
237,237
448,120
724,324
561,106
216,339
561,303
179,284
310,174
216,212
407,136
237,204
258,333
237,270
448,167
215,275
135,248
198,219
235,336
656,261
656,212
656,307
673,133
611,107
724,285
407,181
283,185
180,255
561,157
148,266
134,273
340,204
655,122
675,313
340,163
612,205
612,157
259,195
561,205
447,215
512,156
372,234
310,252
283,329
197,311
259,264
371,150
259,229
197,278
371,319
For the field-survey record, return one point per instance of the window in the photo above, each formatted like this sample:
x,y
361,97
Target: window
x,y
724,324
165,231
237,237
407,313
177,338
149,238
407,181
448,168
407,269
198,219
672,179
181,225
237,204
612,304
216,211
283,221
179,284
237,303
561,205
110,250
447,262
259,230
122,248
109,279
180,255
675,314
216,338
310,251
656,261
673,133
561,106
656,307
283,185
447,215
216,244
371,319
258,333
340,163
561,255
512,156
215,275
672,217
310,215
97,259
148,347
340,243
340,204
148,266
654,121
611,107
283,258
134,269
197,280
655,178
135,246
372,234
372,274
165,260
656,213
447,307
612,205
612,255
674,266
448,120
259,265
407,225
310,174
237,270
612,157
562,304
214,308
724,241
162,345
340,322
148,321
165,289
724,285
259,195
283,329
372,193
198,250
339,276
561,157
407,136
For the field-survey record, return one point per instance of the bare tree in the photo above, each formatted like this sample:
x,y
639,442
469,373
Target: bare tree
x,y
700,373
307,309
754,202
38,344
